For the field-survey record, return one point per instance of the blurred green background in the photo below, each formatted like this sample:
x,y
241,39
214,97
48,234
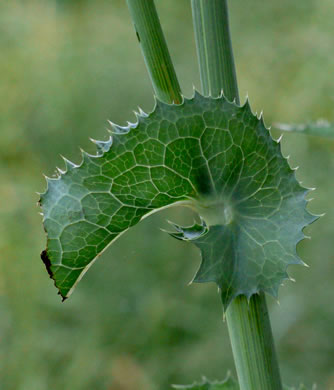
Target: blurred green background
x,y
133,323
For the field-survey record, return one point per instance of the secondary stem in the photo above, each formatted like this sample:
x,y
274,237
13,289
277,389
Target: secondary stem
x,y
248,321
155,51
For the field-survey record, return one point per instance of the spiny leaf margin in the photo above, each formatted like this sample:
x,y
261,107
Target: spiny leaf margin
x,y
194,171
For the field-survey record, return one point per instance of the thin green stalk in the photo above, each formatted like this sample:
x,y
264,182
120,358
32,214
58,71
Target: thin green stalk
x,y
155,51
248,322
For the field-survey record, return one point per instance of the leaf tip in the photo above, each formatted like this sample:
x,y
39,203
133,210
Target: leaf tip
x,y
247,107
260,116
60,171
142,113
102,146
279,139
69,165
117,129
63,297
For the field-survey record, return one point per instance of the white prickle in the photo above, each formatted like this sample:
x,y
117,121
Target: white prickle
x,y
68,164
279,139
142,113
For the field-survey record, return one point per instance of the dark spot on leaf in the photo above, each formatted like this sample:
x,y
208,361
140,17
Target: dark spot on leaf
x,y
47,263
138,37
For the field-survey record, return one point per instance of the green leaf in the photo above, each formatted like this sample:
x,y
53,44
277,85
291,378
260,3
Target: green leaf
x,y
228,384
208,154
320,128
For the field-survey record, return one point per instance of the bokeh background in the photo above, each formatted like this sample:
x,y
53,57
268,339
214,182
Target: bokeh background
x,y
133,323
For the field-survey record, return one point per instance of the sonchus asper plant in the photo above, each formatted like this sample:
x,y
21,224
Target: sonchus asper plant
x,y
208,153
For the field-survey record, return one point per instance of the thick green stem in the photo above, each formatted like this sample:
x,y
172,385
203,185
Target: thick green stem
x,y
253,344
248,322
214,48
155,51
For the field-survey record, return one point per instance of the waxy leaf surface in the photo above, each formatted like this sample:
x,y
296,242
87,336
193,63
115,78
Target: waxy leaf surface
x,y
208,154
